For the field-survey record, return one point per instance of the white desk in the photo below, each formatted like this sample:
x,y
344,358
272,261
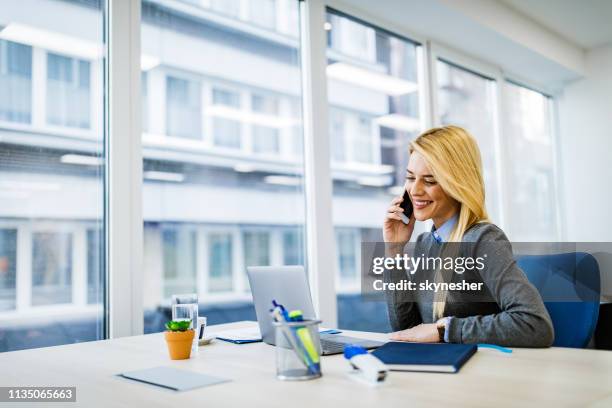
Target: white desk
x,y
527,377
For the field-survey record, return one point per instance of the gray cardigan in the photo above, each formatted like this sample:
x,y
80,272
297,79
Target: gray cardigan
x,y
514,317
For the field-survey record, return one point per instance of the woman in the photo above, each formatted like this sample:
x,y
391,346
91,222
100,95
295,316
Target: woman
x,y
445,184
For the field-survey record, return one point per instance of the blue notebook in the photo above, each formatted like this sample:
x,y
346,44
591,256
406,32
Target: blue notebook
x,y
437,357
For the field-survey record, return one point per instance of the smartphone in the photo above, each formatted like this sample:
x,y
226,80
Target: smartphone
x,y
406,205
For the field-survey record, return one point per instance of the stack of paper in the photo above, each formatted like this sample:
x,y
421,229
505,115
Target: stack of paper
x,y
239,336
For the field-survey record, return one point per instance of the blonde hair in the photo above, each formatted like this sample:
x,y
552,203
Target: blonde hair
x,y
454,158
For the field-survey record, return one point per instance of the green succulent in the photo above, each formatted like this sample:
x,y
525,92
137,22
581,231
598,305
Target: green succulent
x,y
178,325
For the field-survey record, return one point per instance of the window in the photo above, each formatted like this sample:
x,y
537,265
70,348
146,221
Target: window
x,y
293,247
95,275
226,132
179,260
51,268
351,37
363,146
337,134
183,108
263,12
144,84
15,82
531,190
374,113
352,137
256,248
229,7
265,138
226,98
236,86
8,268
52,276
346,241
68,95
467,99
220,262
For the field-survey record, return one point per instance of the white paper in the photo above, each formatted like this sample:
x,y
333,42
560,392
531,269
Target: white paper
x,y
244,334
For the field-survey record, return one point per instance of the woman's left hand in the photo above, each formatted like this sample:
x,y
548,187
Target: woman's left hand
x,y
423,333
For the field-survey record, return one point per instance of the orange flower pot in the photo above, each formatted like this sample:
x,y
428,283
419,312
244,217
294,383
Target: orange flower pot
x,y
179,344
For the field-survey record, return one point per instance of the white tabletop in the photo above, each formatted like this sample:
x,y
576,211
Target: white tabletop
x,y
527,377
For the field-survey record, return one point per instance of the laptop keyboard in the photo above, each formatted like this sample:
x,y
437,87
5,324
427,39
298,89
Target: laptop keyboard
x,y
332,347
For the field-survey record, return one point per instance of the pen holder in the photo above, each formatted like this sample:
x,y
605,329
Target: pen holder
x,y
298,350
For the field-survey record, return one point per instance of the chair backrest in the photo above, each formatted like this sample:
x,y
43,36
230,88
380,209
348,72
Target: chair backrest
x,y
570,286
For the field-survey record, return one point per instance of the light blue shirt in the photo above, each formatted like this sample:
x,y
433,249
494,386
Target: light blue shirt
x,y
442,234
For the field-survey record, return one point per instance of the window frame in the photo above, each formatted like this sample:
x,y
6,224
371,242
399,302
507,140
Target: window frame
x,y
558,203
126,194
448,55
502,140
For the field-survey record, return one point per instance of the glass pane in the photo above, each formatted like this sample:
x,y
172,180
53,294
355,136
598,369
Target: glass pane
x,y
183,108
353,38
293,242
226,98
8,268
144,89
179,254
263,12
68,93
51,173
227,133
532,191
374,113
256,248
229,7
15,82
265,140
51,268
347,254
220,262
95,273
468,100
233,195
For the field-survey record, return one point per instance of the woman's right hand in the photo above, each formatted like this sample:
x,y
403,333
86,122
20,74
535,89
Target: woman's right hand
x,y
394,229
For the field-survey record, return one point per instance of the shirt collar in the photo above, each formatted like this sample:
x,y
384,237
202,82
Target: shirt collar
x,y
442,234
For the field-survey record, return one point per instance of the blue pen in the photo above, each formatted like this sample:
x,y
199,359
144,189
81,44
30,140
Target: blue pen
x,y
282,309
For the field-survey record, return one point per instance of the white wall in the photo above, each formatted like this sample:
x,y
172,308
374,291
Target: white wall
x,y
585,120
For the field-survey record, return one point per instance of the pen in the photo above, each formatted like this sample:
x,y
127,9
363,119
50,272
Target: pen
x,y
282,309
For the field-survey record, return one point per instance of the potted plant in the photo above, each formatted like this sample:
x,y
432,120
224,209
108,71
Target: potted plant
x,y
179,338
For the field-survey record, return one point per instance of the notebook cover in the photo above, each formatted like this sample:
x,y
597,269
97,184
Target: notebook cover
x,y
173,378
425,357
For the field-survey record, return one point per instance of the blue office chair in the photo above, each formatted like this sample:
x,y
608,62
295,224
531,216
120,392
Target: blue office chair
x,y
570,286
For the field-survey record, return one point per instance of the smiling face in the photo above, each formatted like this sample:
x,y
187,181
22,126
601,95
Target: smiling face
x,y
428,198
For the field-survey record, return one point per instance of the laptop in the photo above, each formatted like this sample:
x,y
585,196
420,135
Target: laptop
x,y
288,285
